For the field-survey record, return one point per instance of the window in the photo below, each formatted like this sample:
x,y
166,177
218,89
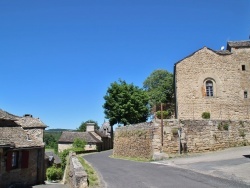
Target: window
x,y
245,94
209,88
243,67
14,159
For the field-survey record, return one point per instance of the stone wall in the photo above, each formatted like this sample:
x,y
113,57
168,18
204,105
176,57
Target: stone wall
x,y
144,140
134,141
205,135
77,174
229,84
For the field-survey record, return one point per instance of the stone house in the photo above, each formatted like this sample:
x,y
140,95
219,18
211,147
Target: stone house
x,y
21,151
96,140
214,81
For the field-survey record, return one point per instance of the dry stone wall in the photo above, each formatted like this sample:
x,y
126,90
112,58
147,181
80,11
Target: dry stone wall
x,y
205,135
134,141
144,140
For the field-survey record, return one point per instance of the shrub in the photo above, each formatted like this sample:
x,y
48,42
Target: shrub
x,y
242,133
63,156
223,127
54,173
205,115
166,114
79,143
175,131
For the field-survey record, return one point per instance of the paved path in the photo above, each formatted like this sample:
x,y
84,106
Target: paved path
x,y
118,173
232,163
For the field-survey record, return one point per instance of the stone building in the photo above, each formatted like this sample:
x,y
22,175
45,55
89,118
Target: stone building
x,y
214,81
96,140
21,151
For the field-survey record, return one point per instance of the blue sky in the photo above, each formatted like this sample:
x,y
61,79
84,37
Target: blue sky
x,y
58,58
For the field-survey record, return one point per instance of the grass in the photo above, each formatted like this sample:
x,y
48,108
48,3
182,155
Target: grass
x,y
92,175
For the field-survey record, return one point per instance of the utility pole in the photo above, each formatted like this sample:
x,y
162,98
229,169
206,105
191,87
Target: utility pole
x,y
161,124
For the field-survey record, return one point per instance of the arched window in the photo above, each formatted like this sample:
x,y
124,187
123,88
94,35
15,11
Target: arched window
x,y
209,88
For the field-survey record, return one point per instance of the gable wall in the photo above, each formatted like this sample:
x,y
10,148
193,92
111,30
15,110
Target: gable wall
x,y
230,83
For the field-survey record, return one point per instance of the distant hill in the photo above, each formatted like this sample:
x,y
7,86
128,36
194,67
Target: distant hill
x,y
58,130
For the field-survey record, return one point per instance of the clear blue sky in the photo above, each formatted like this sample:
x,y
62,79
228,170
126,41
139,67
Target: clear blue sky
x,y
59,57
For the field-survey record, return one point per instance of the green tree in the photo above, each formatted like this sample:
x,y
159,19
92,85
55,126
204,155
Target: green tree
x,y
159,86
125,104
82,127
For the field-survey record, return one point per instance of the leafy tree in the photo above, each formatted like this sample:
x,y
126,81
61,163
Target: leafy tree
x,y
82,127
159,86
126,104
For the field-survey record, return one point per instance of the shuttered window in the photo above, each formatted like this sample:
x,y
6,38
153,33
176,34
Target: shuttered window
x,y
8,161
12,160
25,159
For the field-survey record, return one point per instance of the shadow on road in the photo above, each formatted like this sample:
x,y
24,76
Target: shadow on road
x,y
247,156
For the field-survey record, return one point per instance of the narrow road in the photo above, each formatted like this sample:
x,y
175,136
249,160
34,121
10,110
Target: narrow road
x,y
117,173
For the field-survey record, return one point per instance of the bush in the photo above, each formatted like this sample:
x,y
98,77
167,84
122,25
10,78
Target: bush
x,y
166,114
54,173
205,115
175,131
63,156
79,143
223,127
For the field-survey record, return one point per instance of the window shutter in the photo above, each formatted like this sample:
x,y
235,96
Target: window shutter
x,y
9,161
25,159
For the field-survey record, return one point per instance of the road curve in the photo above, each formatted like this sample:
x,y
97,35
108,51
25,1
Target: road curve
x,y
117,173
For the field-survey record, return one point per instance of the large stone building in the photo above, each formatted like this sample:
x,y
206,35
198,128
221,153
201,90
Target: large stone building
x,y
214,81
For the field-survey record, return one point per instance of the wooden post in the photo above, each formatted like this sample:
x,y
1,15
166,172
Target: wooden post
x,y
161,125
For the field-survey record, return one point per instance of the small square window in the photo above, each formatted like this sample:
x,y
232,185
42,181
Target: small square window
x,y
243,67
245,94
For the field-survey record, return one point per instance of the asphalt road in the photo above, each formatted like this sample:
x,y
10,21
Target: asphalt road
x,y
231,163
117,173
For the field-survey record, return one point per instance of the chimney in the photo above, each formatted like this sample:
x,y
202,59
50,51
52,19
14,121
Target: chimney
x,y
90,127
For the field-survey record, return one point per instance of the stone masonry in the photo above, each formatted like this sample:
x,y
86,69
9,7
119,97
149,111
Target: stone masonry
x,y
144,140
77,174
229,72
134,141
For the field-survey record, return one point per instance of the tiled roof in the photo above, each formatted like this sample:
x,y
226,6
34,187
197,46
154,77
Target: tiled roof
x,y
7,116
69,137
17,137
25,122
101,133
238,44
223,52
28,122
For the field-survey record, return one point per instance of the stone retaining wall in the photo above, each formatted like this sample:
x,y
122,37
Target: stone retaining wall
x,y
134,141
77,174
144,140
212,135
